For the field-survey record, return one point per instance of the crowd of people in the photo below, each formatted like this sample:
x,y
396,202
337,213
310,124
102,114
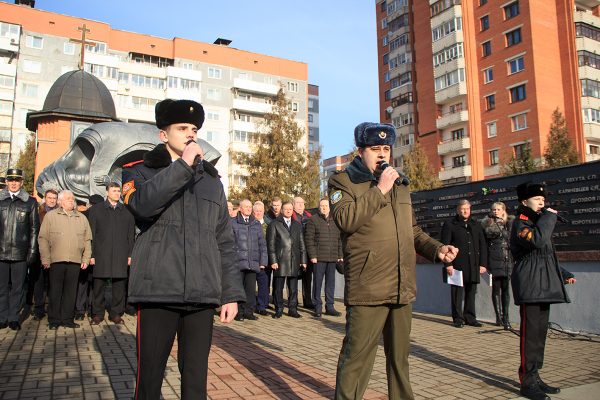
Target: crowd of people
x,y
195,251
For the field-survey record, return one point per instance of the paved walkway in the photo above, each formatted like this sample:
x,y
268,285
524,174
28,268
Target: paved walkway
x,y
288,359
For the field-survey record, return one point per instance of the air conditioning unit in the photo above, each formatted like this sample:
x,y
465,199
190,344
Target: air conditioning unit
x,y
13,41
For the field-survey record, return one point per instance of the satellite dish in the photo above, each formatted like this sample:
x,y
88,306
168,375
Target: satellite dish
x,y
389,109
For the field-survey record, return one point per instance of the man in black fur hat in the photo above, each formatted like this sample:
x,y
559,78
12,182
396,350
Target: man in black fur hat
x,y
184,261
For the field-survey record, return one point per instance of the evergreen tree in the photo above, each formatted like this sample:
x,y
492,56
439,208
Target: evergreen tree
x,y
416,167
277,165
26,162
560,151
520,165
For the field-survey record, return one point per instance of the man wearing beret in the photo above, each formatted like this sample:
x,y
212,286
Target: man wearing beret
x,y
371,205
19,227
537,281
184,262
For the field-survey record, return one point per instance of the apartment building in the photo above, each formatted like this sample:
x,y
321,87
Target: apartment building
x,y
236,87
313,117
481,78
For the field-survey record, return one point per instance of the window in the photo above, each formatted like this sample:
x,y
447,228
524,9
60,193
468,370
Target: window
x,y
214,73
588,31
520,150
384,23
294,106
310,117
446,28
516,65
591,115
34,67
518,122
402,99
511,10
100,48
494,157
210,136
384,40
69,48
239,180
587,59
292,87
442,5
399,41
484,23
213,94
482,2
491,128
488,75
589,88
143,103
490,102
5,135
517,93
459,161
448,54
450,79
454,108
7,81
458,134
8,30
403,120
187,65
6,107
398,23
244,117
386,59
387,94
212,116
311,104
594,149
486,48
29,90
35,42
513,37
245,96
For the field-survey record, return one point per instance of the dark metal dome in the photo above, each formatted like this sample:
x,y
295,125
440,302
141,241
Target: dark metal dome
x,y
76,94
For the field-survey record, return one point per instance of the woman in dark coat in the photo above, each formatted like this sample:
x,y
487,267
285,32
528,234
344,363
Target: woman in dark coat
x,y
496,228
287,254
465,234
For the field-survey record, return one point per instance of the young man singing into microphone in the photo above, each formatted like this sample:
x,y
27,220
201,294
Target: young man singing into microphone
x,y
537,281
184,262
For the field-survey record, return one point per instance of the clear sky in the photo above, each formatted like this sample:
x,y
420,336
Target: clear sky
x,y
337,39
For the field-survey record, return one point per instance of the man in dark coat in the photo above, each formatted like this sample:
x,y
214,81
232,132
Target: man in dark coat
x,y
113,232
263,277
301,215
184,262
324,247
465,234
252,255
19,227
274,210
287,255
537,281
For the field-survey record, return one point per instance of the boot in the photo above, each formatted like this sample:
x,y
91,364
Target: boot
x,y
496,303
505,319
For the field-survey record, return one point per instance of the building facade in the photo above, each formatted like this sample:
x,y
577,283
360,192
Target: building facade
x,y
313,117
236,87
476,82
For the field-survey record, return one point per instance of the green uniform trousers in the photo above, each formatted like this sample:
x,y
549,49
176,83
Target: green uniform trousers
x,y
364,325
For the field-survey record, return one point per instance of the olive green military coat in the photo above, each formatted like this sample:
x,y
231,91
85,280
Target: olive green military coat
x,y
379,238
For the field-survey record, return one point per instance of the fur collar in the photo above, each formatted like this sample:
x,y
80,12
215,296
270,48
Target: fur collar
x,y
159,157
358,173
23,195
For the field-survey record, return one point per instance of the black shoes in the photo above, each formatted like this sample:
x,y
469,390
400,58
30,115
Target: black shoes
x,y
38,317
96,320
309,305
476,324
239,317
14,325
533,392
294,314
547,389
263,312
458,324
318,314
53,327
278,314
71,325
79,317
3,325
333,313
251,317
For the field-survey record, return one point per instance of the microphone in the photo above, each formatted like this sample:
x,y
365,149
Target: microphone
x,y
558,216
401,180
197,160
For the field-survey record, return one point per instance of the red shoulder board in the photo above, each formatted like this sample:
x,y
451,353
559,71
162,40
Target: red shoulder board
x,y
524,217
131,164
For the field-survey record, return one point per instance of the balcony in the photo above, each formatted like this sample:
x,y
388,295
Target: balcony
x,y
592,157
244,126
455,172
251,106
102,59
142,69
184,73
176,93
454,11
9,44
9,69
584,43
586,17
591,131
255,87
450,93
451,119
447,41
451,146
588,72
449,66
492,171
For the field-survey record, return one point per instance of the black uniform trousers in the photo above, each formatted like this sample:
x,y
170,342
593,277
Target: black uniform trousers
x,y
466,314
156,329
12,289
292,287
83,303
62,292
37,281
263,280
534,327
323,270
117,301
307,286
249,281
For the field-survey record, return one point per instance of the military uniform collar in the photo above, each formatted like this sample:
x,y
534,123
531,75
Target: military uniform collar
x,y
159,157
528,213
21,195
358,172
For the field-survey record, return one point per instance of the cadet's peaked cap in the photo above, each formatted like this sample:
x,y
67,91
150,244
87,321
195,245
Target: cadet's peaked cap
x,y
528,190
14,173
171,111
374,134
